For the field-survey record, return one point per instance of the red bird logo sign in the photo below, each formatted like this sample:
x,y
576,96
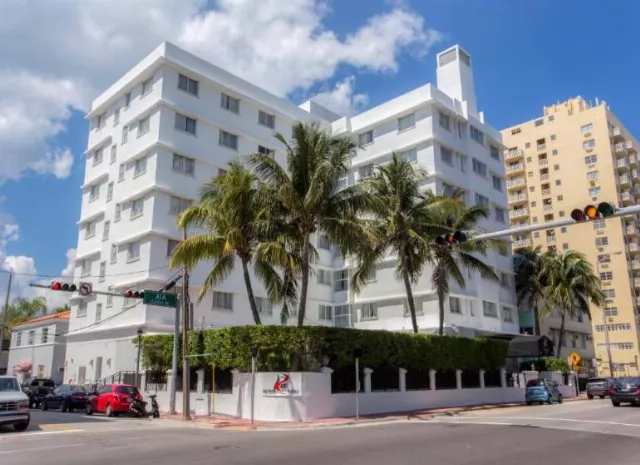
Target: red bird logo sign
x,y
281,387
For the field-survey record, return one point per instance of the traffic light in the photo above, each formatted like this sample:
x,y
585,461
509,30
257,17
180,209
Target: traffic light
x,y
593,212
65,287
134,294
453,238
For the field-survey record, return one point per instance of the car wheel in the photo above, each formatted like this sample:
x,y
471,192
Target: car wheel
x,y
21,426
529,403
541,403
108,411
589,396
63,406
560,399
602,397
88,410
615,404
43,406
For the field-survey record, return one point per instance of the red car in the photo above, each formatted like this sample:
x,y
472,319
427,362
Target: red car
x,y
112,399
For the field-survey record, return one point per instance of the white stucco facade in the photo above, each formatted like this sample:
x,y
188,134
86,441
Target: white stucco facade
x,y
174,121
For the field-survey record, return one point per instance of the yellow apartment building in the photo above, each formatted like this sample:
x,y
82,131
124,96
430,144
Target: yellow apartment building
x,y
578,153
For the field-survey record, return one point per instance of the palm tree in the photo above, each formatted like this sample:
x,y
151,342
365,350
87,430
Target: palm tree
x,y
230,212
400,223
308,197
448,260
571,286
530,288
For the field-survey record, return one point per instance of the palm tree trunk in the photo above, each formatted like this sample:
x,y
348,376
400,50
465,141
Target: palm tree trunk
x,y
536,317
410,302
440,312
561,335
304,268
252,299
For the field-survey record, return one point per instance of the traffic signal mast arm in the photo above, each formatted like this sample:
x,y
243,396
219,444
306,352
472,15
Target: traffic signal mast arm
x,y
48,286
620,212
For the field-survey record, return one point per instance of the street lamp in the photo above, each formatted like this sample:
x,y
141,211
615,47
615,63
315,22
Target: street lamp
x,y
604,319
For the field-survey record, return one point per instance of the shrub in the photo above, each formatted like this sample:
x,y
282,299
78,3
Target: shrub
x,y
292,348
547,364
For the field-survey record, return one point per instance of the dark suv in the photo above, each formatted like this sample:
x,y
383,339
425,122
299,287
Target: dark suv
x,y
599,387
36,389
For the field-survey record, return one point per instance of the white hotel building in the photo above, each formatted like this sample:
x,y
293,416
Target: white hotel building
x,y
174,121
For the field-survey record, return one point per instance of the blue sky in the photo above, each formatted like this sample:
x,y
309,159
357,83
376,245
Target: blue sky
x,y
526,55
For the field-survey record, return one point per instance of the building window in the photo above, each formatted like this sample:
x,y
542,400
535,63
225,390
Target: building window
x,y
121,171
147,86
593,175
589,144
482,201
178,205
507,315
495,152
264,305
187,84
118,213
125,134
366,138
611,311
323,242
445,121
446,155
110,191
341,280
324,312
599,224
114,154
94,192
558,182
406,122
105,230
606,276
499,215
497,183
228,140
410,155
595,191
82,375
116,117
127,100
476,134
184,165
505,279
554,152
586,128
114,253
369,311
103,271
489,309
556,167
98,313
479,167
100,121
539,122
324,277
133,251
229,103
140,167
82,310
591,159
265,119
609,293
97,157
454,305
222,300
342,316
44,336
110,297
90,230
365,171
137,208
171,245
19,339
32,337
553,137
185,124
265,151
143,125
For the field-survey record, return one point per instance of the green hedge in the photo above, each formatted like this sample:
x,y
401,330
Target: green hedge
x,y
292,348
547,364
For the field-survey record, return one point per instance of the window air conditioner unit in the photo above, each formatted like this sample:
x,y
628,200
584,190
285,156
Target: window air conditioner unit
x,y
587,134
60,369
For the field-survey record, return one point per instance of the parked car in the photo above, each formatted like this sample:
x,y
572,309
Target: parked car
x,y
37,388
14,404
542,390
112,399
625,391
66,397
599,387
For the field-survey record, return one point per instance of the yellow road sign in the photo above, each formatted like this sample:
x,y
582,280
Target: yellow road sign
x,y
575,359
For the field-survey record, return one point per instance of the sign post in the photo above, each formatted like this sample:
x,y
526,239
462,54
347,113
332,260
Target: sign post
x,y
254,356
357,353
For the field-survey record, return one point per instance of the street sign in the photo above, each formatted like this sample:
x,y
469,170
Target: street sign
x,y
161,299
85,289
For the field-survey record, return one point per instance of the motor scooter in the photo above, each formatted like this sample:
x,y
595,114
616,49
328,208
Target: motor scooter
x,y
155,408
138,407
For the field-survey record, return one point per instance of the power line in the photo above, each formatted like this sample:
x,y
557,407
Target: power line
x,y
84,277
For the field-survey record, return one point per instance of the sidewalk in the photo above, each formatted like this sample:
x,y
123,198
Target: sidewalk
x,y
241,424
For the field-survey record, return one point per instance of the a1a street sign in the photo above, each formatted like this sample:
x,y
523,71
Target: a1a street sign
x,y
161,299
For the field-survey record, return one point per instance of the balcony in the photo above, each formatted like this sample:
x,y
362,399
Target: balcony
x,y
547,209
513,154
544,177
522,243
546,192
620,149
518,213
551,240
625,180
634,247
515,168
627,198
630,147
543,163
633,161
636,282
616,133
517,182
631,231
635,264
623,165
516,198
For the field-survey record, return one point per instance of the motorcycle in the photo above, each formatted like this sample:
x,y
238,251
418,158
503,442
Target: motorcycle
x,y
155,408
138,407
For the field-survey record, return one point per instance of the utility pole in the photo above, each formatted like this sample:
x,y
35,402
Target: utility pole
x,y
174,358
138,358
5,315
186,391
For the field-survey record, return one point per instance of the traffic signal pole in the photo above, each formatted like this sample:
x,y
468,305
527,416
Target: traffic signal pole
x,y
626,211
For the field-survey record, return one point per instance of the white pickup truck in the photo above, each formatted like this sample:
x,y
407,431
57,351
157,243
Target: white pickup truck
x,y
14,404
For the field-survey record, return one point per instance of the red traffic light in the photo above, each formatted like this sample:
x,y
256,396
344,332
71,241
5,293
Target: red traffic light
x,y
56,286
64,287
134,294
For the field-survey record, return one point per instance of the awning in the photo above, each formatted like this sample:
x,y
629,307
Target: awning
x,y
530,346
22,367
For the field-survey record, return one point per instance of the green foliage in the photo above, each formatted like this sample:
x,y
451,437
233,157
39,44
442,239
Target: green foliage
x,y
21,310
547,364
280,346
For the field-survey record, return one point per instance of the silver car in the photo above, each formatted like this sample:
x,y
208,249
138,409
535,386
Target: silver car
x,y
14,404
599,387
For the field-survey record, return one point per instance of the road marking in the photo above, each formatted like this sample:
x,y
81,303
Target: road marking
x,y
6,452
573,420
29,434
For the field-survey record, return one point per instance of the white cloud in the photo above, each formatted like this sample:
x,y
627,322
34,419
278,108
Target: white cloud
x,y
342,99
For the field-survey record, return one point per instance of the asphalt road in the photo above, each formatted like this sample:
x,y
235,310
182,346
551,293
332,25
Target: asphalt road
x,y
503,437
